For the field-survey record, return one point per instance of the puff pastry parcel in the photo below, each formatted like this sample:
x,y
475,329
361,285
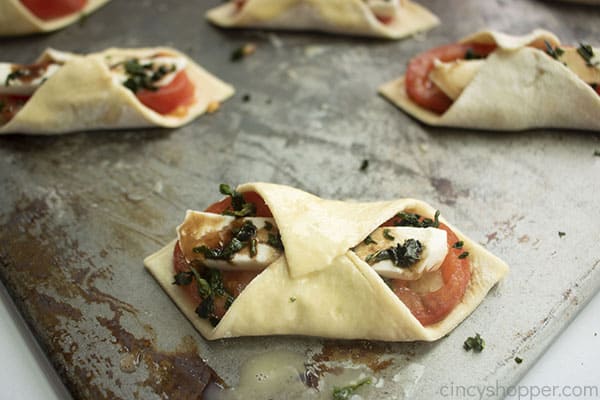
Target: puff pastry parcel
x,y
117,88
392,19
274,260
21,17
491,80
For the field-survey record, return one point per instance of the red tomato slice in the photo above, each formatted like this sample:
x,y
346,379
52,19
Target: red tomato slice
x,y
432,307
421,89
384,19
10,106
51,9
179,92
597,88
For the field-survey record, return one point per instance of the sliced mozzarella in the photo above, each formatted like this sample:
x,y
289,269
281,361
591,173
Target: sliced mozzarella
x,y
174,64
212,230
433,240
453,77
384,8
588,74
23,86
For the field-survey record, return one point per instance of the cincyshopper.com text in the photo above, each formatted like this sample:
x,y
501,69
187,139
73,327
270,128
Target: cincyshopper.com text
x,y
520,392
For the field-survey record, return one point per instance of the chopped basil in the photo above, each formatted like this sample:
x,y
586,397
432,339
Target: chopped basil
x,y
587,53
2,104
292,299
205,308
596,153
477,344
246,98
275,241
411,219
518,360
554,52
464,254
344,393
144,76
216,282
364,165
14,75
210,285
458,245
242,51
388,235
402,255
471,55
183,278
240,207
561,234
242,236
268,226
369,240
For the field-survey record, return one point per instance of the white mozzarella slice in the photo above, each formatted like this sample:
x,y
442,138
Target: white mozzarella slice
x,y
200,228
175,65
384,8
433,240
242,261
453,77
22,86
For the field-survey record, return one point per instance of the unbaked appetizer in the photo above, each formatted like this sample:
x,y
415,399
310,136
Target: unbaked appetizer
x,y
117,88
491,80
391,19
272,260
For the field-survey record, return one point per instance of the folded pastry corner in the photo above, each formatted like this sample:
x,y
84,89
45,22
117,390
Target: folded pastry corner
x,y
274,260
22,17
113,89
391,19
491,80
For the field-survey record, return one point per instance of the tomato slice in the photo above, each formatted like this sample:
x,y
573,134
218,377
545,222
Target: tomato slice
x,y
262,210
419,86
179,92
432,307
10,105
597,88
384,19
51,9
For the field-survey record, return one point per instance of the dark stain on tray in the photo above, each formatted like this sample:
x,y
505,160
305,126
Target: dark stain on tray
x,y
48,275
446,191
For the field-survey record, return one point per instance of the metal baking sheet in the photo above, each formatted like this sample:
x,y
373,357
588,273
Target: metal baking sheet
x,y
78,213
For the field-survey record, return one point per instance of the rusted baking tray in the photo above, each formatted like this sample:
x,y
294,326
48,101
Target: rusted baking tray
x,y
78,213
